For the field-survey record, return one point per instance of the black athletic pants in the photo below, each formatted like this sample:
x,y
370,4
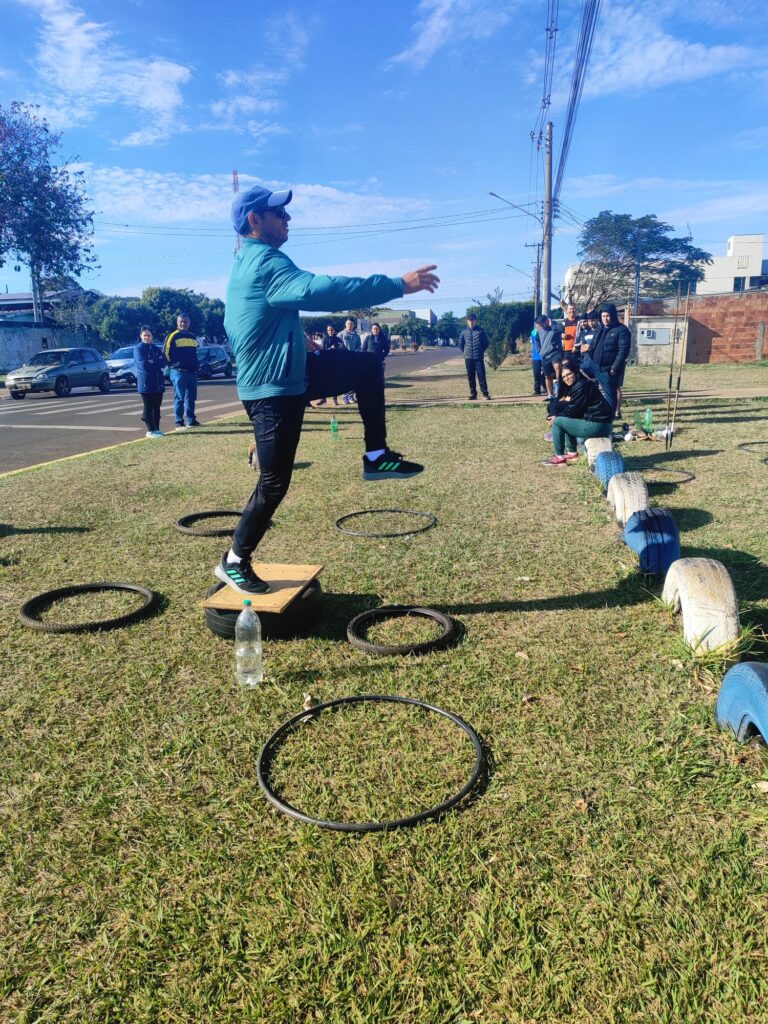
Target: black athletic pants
x,y
277,429
152,404
538,376
476,366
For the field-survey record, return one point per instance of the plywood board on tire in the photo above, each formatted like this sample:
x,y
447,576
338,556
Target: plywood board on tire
x,y
286,582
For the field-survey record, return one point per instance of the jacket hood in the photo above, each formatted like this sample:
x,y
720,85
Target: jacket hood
x,y
608,307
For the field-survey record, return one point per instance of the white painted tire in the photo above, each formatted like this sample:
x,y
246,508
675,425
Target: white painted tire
x,y
595,445
627,494
703,591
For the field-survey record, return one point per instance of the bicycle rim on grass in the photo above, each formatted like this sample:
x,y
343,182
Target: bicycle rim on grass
x,y
271,747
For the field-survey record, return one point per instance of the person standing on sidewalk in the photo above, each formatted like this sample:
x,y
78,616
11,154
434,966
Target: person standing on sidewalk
x,y
536,365
180,350
551,348
276,375
150,382
473,341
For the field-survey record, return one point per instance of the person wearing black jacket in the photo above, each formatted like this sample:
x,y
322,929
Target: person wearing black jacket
x,y
608,353
473,341
331,343
587,414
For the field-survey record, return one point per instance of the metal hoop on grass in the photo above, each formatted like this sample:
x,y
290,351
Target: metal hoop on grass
x,y
431,521
268,751
30,609
184,524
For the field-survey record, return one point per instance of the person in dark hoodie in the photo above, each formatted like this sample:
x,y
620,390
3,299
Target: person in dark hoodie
x,y
608,354
586,414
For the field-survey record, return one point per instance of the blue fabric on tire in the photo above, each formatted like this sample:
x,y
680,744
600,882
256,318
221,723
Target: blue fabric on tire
x,y
742,704
608,464
653,535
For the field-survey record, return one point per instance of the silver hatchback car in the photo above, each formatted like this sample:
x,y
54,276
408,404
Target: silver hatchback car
x,y
59,370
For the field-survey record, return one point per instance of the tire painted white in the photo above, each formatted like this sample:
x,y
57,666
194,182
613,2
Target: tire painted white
x,y
627,494
595,445
702,590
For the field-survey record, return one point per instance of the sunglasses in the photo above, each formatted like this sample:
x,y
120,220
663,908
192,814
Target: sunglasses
x,y
279,211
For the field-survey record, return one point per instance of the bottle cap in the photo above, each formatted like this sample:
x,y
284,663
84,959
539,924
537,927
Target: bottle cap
x,y
247,602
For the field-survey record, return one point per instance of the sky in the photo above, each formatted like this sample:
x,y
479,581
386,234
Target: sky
x,y
392,123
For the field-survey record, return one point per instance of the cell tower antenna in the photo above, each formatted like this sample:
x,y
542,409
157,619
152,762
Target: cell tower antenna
x,y
236,189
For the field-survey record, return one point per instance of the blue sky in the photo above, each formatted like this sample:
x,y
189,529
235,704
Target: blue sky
x,y
391,122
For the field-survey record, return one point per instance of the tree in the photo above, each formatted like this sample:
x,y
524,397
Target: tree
x,y
448,326
44,221
414,330
119,320
621,255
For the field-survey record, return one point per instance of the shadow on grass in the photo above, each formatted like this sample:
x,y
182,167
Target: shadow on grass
x,y
653,459
691,518
395,384
6,530
630,591
749,574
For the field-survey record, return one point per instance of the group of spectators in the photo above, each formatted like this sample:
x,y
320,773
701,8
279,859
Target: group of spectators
x,y
375,341
581,367
180,353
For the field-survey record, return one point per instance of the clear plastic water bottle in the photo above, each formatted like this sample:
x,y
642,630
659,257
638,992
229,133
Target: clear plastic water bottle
x,y
334,428
248,668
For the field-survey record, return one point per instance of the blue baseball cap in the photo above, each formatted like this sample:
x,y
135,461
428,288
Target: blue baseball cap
x,y
253,200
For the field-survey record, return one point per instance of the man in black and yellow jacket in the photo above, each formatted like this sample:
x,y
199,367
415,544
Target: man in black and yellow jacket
x,y
181,352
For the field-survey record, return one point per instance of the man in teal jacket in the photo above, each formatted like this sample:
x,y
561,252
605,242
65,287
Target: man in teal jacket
x,y
276,376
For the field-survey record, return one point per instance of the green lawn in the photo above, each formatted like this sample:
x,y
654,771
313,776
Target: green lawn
x,y
614,869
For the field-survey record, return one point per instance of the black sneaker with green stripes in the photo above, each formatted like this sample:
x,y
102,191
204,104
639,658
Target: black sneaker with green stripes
x,y
240,576
389,466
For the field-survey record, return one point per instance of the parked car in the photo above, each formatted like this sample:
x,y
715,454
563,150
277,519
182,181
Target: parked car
x,y
213,359
122,367
59,370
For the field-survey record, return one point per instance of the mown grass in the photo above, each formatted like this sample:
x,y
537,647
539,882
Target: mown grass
x,y
613,870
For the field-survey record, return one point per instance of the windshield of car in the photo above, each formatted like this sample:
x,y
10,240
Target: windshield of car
x,y
122,353
46,358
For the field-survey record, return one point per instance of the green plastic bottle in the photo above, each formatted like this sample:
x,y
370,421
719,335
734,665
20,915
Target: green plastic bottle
x,y
334,428
648,420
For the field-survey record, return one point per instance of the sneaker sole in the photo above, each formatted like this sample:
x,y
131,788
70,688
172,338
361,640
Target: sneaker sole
x,y
389,476
219,573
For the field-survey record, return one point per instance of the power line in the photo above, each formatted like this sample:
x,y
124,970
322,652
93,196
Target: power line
x,y
589,16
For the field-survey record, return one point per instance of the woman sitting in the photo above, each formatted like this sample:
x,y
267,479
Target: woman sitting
x,y
579,413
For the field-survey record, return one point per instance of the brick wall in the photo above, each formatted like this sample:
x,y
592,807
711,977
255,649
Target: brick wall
x,y
726,328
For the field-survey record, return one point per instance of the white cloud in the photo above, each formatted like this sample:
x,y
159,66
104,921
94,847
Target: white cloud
x,y
442,22
84,70
748,206
632,52
137,196
256,90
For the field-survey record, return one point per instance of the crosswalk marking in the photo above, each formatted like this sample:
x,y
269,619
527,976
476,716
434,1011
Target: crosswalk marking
x,y
67,426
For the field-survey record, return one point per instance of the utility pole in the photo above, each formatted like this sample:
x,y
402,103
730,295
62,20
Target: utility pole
x,y
236,189
37,303
547,239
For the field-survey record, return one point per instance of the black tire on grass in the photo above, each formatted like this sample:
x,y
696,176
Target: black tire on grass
x,y
30,609
298,618
268,751
360,623
184,523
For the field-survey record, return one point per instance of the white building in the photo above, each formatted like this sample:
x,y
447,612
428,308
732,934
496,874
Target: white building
x,y
428,315
742,269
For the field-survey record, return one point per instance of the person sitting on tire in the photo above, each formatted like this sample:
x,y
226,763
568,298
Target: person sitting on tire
x,y
589,415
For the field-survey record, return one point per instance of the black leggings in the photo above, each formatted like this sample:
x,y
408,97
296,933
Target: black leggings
x,y
277,429
152,403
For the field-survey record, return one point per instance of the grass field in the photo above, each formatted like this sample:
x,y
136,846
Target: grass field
x,y
613,869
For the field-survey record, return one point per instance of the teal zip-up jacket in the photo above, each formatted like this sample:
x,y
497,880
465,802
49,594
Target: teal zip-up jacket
x,y
265,293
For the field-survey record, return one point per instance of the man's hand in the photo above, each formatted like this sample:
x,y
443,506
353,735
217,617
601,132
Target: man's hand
x,y
421,280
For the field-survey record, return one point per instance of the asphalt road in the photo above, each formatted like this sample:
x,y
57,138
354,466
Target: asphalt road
x,y
42,428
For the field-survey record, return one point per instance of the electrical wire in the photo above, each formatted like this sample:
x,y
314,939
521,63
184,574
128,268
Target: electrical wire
x,y
590,13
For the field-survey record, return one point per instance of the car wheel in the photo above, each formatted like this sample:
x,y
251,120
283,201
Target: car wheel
x,y
204,373
18,395
62,387
130,380
104,384
228,370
